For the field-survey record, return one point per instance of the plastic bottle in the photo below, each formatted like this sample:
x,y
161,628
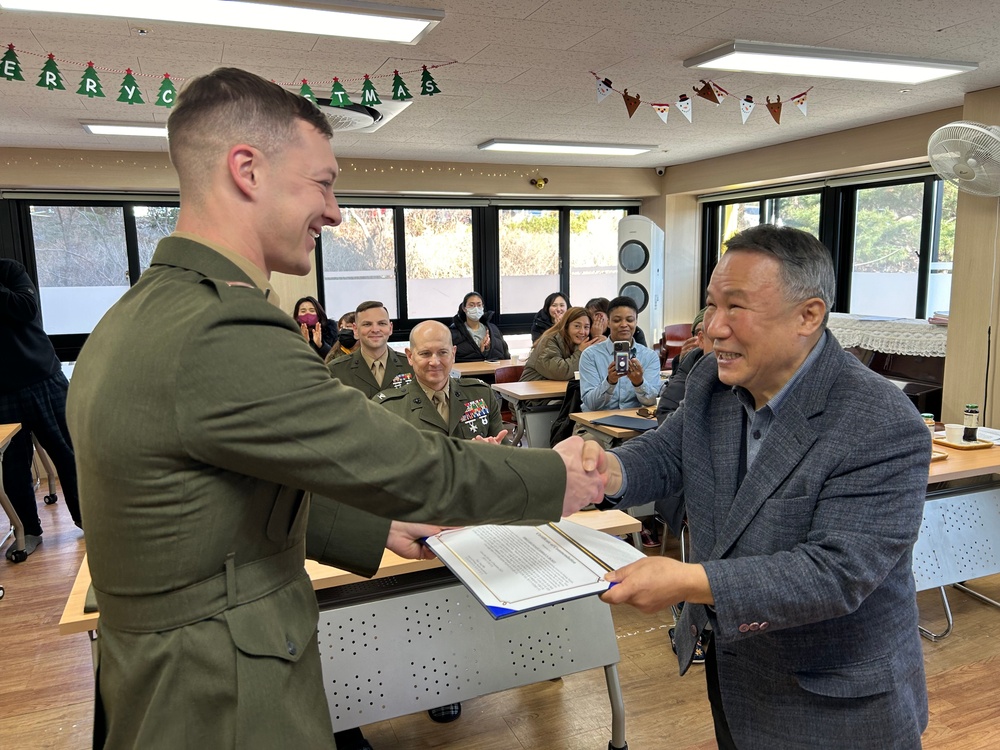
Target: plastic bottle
x,y
970,434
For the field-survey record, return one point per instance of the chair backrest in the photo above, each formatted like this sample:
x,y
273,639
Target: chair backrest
x,y
674,336
508,374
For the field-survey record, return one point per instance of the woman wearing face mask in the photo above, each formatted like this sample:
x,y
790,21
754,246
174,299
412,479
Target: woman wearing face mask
x,y
555,306
318,330
475,337
346,341
556,355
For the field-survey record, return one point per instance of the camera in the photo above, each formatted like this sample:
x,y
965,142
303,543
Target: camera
x,y
621,357
661,171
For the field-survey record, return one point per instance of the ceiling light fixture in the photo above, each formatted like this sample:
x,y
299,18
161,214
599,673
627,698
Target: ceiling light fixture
x,y
563,147
345,18
103,128
822,62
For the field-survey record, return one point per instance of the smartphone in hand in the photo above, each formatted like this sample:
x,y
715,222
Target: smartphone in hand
x,y
622,350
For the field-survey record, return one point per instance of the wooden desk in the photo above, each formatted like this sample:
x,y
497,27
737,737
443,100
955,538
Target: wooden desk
x,y
477,369
533,421
964,464
75,620
392,647
8,431
586,419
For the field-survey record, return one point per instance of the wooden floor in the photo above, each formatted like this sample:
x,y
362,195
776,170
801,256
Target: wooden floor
x,y
46,685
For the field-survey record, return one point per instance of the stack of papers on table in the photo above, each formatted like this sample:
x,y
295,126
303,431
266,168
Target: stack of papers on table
x,y
939,318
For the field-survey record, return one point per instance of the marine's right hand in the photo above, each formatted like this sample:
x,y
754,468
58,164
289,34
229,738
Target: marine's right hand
x,y
586,469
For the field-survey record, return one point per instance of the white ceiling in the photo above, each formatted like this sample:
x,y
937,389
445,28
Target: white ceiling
x,y
522,72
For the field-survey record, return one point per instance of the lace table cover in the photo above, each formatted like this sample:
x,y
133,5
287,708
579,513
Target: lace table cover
x,y
899,336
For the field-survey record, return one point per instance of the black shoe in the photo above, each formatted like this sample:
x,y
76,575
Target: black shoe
x,y
351,739
445,714
673,641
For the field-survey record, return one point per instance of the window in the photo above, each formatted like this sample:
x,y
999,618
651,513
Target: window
x,y
529,258
798,211
943,252
891,238
152,224
886,251
82,262
593,253
359,261
438,260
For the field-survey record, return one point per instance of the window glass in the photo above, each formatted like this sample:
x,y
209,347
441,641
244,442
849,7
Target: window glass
x,y
797,211
438,260
359,261
82,264
887,250
152,224
529,258
939,283
593,254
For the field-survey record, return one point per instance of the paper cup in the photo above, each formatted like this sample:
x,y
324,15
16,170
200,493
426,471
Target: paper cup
x,y
953,433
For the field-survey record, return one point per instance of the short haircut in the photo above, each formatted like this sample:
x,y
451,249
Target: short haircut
x,y
623,301
216,111
370,305
805,264
347,319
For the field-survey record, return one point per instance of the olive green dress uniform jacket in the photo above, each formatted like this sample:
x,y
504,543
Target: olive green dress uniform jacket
x,y
202,420
352,370
473,408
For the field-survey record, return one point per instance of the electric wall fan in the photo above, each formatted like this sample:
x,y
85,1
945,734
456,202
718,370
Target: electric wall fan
x,y
967,154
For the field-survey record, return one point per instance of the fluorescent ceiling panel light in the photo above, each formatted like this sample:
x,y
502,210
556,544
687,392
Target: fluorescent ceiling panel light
x,y
561,147
357,20
790,59
98,128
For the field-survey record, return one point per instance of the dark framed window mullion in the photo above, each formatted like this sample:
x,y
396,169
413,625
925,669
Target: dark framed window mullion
x,y
564,263
929,235
320,275
399,240
846,207
131,242
711,221
487,274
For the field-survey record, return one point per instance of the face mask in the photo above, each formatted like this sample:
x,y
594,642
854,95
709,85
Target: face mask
x,y
346,338
309,319
474,313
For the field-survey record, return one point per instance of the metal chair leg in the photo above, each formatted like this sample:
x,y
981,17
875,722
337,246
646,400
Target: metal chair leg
x,y
931,636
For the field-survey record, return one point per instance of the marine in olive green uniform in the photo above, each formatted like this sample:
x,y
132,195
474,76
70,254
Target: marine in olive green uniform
x,y
473,408
352,370
196,448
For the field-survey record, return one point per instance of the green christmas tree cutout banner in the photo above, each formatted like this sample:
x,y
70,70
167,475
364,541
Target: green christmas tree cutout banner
x,y
51,77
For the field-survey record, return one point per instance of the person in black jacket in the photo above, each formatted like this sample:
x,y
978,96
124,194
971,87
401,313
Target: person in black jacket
x,y
554,307
33,393
318,330
474,336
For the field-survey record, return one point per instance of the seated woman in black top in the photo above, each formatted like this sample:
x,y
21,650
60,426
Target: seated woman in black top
x,y
474,336
556,305
318,330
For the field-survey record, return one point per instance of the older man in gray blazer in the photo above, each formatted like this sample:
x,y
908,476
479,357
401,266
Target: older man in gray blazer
x,y
803,475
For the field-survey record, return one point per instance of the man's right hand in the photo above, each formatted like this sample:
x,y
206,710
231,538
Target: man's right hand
x,y
586,469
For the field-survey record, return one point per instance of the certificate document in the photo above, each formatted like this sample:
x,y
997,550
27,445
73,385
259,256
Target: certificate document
x,y
512,569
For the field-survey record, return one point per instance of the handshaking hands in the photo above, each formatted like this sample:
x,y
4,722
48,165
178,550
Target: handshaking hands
x,y
590,473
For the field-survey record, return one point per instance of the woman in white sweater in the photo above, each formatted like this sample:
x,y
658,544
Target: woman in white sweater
x,y
556,354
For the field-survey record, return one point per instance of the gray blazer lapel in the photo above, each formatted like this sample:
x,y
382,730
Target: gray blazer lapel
x,y
788,440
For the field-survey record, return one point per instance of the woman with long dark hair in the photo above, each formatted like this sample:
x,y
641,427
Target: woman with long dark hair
x,y
319,331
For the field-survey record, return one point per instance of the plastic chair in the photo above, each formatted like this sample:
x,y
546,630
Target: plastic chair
x,y
508,374
673,339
